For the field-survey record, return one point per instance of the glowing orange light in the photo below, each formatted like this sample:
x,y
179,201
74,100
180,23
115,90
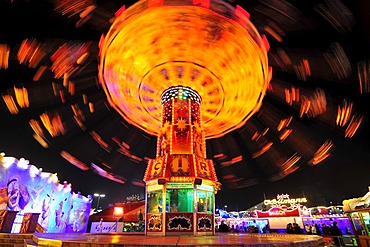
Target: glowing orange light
x,y
344,113
118,212
264,149
284,123
274,34
21,95
140,60
285,134
4,56
323,153
74,161
353,126
40,72
289,165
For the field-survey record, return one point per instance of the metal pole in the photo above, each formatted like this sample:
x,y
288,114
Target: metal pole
x,y
97,206
98,203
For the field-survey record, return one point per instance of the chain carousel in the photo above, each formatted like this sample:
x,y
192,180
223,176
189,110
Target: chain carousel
x,y
184,71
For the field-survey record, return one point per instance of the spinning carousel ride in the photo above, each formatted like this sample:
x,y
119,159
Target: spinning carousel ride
x,y
182,82
184,71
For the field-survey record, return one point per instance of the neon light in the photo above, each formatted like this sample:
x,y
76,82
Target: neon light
x,y
285,199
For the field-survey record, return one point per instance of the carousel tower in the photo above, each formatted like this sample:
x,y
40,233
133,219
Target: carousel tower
x,y
184,71
180,181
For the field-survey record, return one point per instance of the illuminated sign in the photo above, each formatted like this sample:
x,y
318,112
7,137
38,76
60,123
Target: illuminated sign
x,y
180,186
156,187
205,187
278,212
285,199
105,227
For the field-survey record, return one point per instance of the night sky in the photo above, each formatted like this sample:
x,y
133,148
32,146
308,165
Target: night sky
x,y
344,175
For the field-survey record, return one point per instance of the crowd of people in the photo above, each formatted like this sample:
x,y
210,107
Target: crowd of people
x,y
326,230
314,229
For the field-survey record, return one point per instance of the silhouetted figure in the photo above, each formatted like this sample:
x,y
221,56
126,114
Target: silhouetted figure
x,y
289,228
336,233
316,229
297,229
237,230
232,229
223,227
140,216
266,229
325,230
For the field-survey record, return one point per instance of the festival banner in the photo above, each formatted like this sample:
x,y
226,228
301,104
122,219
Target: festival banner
x,y
277,212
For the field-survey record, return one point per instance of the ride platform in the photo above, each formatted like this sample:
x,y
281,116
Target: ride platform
x,y
138,240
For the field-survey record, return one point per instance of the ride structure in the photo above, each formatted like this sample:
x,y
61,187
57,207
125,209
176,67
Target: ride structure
x,y
184,71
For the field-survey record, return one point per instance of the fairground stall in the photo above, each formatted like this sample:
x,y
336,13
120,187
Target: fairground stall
x,y
273,214
325,216
120,217
358,211
243,221
283,210
35,200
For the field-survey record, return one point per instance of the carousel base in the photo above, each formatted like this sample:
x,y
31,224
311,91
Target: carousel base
x,y
131,240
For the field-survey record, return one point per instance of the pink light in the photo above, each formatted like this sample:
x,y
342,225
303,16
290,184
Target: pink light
x,y
241,13
120,11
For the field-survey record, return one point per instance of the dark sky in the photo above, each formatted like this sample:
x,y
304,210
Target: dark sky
x,y
343,176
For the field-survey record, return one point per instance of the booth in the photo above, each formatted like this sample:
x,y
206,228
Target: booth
x,y
130,219
38,201
358,211
275,214
272,214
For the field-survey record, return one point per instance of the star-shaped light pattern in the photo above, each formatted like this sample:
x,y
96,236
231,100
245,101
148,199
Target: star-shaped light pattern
x,y
181,124
316,94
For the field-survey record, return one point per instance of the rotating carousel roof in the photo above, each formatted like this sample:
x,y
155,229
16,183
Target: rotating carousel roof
x,y
212,48
315,99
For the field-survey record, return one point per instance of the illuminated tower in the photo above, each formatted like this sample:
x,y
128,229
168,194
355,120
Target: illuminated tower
x,y
184,71
180,181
